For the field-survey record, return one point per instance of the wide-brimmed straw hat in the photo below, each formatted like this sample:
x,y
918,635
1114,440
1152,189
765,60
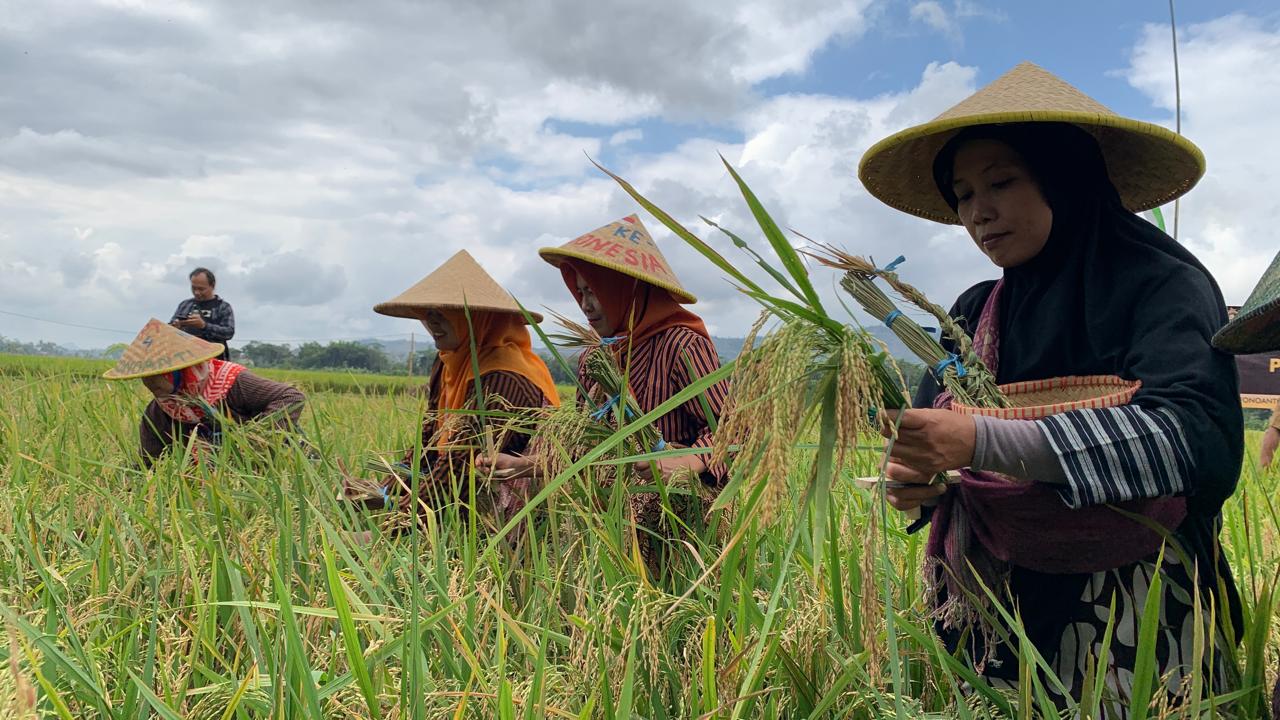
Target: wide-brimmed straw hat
x,y
161,348
625,247
1256,328
457,284
1148,164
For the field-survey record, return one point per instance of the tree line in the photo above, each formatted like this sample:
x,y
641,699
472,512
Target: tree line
x,y
351,356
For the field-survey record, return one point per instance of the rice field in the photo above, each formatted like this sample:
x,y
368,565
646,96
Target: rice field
x,y
309,380
235,589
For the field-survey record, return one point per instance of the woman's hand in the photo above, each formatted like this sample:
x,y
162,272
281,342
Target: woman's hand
x,y
930,441
507,467
667,466
918,490
1270,439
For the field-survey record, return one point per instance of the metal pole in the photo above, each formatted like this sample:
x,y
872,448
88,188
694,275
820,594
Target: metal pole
x,y
1177,95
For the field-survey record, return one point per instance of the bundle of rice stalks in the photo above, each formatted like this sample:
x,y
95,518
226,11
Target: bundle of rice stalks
x,y
611,401
962,373
812,373
565,433
781,390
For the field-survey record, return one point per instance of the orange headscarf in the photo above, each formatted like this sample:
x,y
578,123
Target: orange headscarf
x,y
635,308
502,343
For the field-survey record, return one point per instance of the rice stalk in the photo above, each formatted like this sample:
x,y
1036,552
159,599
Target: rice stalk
x,y
611,398
774,406
976,386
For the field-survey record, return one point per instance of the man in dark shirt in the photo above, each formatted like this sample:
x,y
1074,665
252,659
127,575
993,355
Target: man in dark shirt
x,y
204,314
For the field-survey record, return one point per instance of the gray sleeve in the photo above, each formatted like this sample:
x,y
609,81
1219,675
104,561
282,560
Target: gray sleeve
x,y
223,327
181,312
1017,448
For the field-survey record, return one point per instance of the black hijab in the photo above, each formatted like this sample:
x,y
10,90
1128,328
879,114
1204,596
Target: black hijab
x,y
1111,294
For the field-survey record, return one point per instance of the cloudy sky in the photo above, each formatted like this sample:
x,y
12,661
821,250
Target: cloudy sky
x,y
322,156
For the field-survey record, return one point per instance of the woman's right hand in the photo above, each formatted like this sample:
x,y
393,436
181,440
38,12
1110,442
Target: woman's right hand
x,y
508,467
919,490
1270,440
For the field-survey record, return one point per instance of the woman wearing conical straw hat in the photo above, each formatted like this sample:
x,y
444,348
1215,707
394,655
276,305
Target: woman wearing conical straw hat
x,y
194,392
628,292
1256,329
462,307
1046,181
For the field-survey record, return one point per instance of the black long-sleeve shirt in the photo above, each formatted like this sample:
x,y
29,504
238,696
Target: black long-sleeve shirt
x,y
219,320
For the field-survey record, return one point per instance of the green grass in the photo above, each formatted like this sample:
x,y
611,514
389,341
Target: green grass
x,y
233,591
333,381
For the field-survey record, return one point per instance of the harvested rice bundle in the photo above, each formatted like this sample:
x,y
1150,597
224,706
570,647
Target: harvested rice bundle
x,y
612,398
812,374
963,373
783,387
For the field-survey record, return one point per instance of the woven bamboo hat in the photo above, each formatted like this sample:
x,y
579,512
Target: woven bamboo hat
x,y
1149,165
1256,328
626,247
161,348
459,283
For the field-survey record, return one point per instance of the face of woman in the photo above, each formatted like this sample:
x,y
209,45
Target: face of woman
x,y
443,334
159,385
590,306
1000,203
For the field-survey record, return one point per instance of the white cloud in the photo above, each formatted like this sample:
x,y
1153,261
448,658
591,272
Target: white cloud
x,y
622,137
1230,99
931,13
322,157
948,22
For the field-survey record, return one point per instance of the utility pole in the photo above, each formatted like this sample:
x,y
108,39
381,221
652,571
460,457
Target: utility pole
x,y
410,354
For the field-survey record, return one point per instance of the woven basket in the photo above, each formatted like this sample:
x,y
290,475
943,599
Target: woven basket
x,y
1035,399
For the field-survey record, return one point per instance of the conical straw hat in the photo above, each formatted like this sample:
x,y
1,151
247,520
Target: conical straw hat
x,y
626,247
1256,328
161,348
458,283
1149,165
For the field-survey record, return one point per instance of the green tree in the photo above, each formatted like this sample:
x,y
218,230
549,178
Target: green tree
x,y
343,354
267,355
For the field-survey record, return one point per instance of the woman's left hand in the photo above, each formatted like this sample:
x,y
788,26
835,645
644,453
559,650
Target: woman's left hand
x,y
668,465
511,467
930,441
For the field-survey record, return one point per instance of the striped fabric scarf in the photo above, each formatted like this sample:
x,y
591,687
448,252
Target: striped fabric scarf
x,y
198,386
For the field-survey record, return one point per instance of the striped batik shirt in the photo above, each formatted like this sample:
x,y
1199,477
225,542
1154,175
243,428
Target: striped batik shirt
x,y
1113,455
662,365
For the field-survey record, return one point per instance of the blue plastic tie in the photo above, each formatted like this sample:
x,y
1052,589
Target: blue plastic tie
x,y
660,445
610,340
604,409
893,265
888,319
952,359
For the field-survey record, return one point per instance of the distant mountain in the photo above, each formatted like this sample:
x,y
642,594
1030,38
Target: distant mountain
x,y
399,349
